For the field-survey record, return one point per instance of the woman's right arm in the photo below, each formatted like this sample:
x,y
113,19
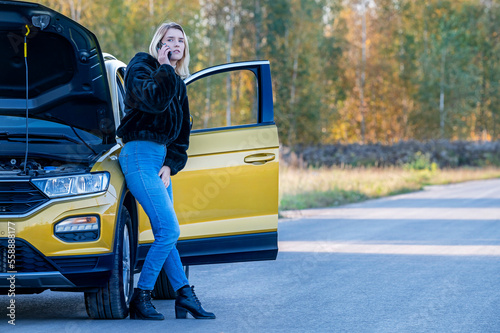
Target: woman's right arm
x,y
150,90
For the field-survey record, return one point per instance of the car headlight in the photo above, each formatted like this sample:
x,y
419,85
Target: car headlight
x,y
64,186
78,229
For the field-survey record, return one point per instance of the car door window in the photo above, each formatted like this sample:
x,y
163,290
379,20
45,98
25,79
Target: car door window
x,y
223,100
120,91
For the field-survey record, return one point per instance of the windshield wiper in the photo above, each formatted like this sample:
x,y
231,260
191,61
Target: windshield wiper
x,y
7,135
73,129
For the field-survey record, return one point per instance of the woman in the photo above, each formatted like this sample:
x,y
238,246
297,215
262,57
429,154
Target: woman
x,y
155,131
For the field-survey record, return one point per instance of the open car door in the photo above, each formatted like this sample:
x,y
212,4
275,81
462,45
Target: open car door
x,y
226,198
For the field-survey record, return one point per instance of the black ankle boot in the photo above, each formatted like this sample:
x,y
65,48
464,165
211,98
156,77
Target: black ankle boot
x,y
187,301
141,306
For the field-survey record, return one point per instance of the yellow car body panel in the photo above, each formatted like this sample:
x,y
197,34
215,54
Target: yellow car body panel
x,y
218,193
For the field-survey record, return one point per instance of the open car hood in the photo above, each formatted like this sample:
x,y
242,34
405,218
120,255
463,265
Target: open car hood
x,y
66,70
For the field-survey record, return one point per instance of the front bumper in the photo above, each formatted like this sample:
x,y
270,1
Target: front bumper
x,y
35,280
34,270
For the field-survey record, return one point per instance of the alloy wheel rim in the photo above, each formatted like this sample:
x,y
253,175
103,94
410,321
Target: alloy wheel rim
x,y
126,262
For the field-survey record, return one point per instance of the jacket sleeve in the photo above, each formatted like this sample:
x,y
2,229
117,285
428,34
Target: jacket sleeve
x,y
177,151
150,90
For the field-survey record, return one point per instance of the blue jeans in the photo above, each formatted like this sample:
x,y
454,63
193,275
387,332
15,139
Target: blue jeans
x,y
141,162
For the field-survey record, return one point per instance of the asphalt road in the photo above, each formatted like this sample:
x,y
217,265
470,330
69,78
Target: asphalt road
x,y
420,262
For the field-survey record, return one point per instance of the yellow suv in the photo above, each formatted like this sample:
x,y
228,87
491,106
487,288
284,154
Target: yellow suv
x,y
67,220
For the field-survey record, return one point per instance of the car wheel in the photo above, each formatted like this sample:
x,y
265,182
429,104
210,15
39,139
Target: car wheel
x,y
163,289
112,300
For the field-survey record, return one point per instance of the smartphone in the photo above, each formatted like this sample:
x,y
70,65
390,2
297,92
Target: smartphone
x,y
158,47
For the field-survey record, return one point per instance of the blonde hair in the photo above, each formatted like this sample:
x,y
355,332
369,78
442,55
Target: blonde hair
x,y
182,67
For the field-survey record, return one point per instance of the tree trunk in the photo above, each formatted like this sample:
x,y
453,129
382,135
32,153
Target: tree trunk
x,y
151,8
228,60
258,55
75,9
363,69
208,95
258,28
293,129
441,94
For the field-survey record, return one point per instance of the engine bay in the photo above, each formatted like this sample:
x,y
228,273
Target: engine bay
x,y
14,166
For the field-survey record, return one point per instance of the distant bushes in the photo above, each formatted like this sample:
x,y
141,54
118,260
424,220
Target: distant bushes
x,y
408,154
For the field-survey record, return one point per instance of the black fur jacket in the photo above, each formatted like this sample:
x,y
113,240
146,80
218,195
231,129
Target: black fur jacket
x,y
156,108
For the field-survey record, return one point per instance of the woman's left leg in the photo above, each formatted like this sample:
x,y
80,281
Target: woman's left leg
x,y
186,300
173,265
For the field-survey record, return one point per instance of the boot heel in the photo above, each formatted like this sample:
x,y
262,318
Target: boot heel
x,y
187,301
134,315
180,313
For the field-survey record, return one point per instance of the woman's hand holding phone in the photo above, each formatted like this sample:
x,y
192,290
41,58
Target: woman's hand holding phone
x,y
164,53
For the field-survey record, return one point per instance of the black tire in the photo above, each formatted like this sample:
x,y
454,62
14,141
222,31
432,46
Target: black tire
x,y
163,289
112,300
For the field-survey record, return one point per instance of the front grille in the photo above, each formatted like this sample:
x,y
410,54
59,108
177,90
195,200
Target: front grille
x,y
19,197
27,259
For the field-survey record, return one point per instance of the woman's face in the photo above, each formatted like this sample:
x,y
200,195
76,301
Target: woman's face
x,y
174,39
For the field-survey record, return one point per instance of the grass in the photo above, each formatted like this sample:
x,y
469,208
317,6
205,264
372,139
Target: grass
x,y
327,187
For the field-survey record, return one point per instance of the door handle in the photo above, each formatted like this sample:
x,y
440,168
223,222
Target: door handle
x,y
259,158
